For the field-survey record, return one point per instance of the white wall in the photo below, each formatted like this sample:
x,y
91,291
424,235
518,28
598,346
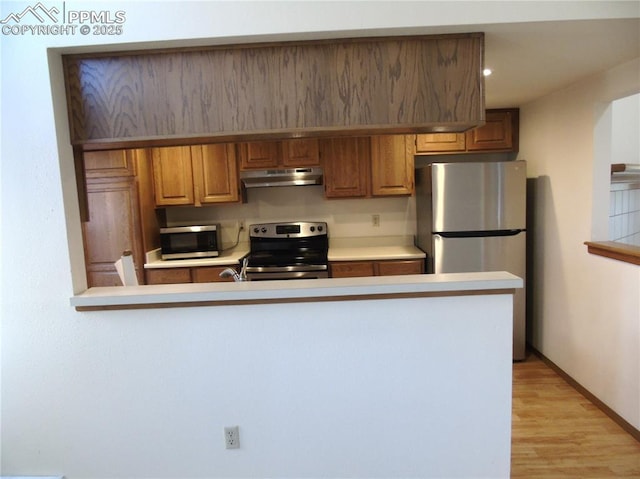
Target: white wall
x,y
625,127
110,394
586,308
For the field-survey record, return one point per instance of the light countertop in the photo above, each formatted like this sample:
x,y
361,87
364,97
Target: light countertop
x,y
229,257
332,289
370,253
340,249
374,248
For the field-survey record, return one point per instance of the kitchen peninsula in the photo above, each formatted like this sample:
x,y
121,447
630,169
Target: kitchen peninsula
x,y
429,355
328,289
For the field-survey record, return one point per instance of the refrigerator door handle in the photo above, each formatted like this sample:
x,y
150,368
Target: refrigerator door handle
x,y
480,234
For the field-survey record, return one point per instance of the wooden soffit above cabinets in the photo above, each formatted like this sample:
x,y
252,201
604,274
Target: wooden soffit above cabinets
x,y
411,84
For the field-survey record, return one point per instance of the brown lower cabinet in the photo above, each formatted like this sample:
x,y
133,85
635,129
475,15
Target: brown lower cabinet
x,y
201,274
354,269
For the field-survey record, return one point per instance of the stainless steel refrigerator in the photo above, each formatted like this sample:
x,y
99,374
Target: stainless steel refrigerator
x,y
471,216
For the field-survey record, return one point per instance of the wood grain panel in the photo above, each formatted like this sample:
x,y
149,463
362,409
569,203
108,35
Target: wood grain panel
x,y
113,163
114,227
168,275
346,167
440,142
301,152
495,134
286,90
392,165
352,269
173,176
209,274
259,154
393,268
215,173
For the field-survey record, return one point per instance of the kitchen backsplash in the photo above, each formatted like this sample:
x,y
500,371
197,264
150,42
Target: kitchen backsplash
x,y
345,218
624,213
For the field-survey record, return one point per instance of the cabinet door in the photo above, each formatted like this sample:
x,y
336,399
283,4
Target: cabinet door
x,y
440,142
168,275
392,169
113,227
112,163
173,176
300,152
496,134
352,269
346,167
215,174
392,268
259,154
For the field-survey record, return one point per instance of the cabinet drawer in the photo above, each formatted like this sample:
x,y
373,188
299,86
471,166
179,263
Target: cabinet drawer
x,y
208,274
168,276
352,269
392,268
355,269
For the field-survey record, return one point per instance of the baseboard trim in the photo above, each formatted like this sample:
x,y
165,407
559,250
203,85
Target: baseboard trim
x,y
635,433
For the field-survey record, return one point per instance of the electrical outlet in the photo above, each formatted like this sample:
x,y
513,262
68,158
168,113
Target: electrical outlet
x,y
231,437
375,220
241,225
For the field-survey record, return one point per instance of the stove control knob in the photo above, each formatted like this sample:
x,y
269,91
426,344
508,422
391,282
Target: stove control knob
x,y
264,230
313,228
256,230
319,228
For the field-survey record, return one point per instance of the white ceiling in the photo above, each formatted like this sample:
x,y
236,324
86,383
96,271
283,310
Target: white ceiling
x,y
530,60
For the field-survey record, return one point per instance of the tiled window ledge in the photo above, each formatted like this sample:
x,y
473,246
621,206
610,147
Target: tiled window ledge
x,y
614,250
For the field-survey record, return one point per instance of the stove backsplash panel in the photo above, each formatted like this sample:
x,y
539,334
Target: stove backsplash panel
x,y
345,218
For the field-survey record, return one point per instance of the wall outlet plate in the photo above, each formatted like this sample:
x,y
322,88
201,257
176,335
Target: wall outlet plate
x,y
231,437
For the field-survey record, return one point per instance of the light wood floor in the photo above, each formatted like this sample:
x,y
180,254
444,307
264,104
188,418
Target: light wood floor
x,y
558,433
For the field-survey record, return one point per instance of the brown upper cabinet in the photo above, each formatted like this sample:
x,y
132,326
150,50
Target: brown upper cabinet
x,y
111,163
346,167
279,154
500,133
195,175
440,142
392,165
368,166
277,90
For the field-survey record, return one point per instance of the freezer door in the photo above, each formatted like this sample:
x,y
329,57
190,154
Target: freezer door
x,y
478,196
488,253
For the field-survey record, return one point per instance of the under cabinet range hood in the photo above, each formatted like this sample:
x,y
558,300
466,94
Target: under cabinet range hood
x,y
281,177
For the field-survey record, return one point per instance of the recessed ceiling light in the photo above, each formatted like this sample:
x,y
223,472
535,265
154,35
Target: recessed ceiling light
x,y
487,71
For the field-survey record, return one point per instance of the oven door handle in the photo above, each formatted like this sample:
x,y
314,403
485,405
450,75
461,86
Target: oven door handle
x,y
287,276
287,269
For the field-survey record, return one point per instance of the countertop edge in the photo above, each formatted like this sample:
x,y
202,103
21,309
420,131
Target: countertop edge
x,y
339,253
329,289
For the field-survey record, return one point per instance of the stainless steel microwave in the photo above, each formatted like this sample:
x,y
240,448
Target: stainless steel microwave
x,y
188,242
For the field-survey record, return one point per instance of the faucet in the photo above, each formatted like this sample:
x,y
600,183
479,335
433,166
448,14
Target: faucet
x,y
230,272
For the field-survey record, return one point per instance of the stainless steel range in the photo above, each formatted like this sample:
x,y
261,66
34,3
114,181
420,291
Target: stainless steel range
x,y
296,250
